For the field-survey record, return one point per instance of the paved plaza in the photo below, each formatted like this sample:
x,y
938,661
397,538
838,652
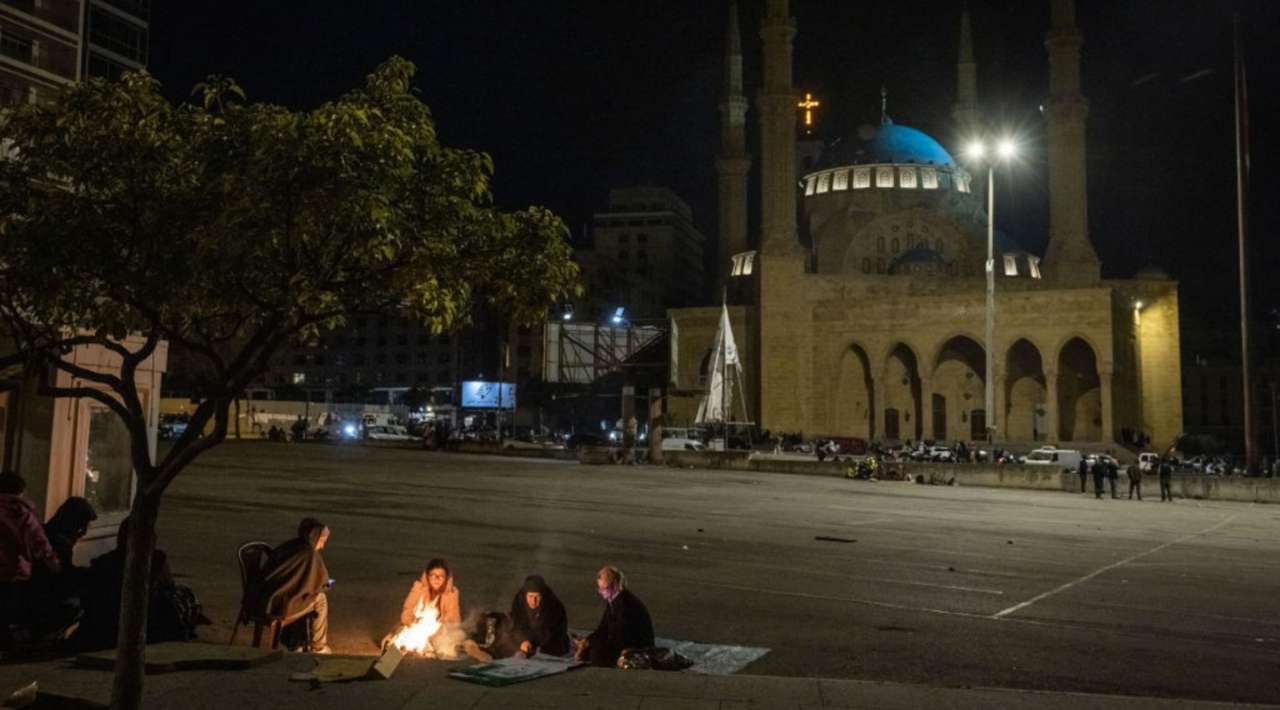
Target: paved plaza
x,y
941,586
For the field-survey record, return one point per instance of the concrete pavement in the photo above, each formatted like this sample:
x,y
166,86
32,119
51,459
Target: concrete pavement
x,y
422,685
932,586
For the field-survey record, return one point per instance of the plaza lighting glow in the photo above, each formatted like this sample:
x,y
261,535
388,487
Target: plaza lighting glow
x,y
1007,149
976,150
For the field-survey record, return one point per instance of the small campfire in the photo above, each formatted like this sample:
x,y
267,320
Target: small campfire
x,y
415,638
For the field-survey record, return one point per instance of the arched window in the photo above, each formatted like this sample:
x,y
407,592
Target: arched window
x,y
880,266
893,246
880,245
866,265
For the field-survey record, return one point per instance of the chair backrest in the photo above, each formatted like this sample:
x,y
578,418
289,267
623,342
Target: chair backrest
x,y
252,558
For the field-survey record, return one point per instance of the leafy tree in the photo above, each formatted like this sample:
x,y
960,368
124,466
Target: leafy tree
x,y
230,229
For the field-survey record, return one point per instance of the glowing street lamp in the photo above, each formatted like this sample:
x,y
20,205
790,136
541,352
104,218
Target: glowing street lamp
x,y
1004,150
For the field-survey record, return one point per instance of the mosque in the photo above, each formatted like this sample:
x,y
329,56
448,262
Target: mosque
x,y
860,307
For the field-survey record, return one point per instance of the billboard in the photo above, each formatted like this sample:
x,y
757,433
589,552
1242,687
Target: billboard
x,y
478,394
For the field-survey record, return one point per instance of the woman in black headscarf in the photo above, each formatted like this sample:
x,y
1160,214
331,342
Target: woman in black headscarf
x,y
58,593
539,623
67,526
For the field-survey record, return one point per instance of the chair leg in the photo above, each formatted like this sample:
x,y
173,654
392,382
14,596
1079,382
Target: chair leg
x,y
257,634
309,646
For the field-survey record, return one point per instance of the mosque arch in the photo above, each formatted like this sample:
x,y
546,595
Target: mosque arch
x,y
1026,414
902,392
958,390
853,396
1079,392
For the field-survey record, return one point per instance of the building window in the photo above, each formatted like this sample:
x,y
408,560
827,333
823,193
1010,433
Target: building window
x,y
810,184
824,183
840,181
907,178
884,177
1010,265
880,244
929,178
861,178
642,239
894,246
108,467
880,266
866,265
299,378
962,183
15,47
1034,264
118,35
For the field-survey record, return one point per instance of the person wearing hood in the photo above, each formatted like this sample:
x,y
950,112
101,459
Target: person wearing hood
x,y
539,623
23,547
59,594
294,582
435,588
624,625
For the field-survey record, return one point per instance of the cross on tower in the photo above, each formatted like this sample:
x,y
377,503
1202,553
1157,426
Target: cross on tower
x,y
809,104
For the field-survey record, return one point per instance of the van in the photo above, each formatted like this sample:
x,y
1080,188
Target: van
x,y
1065,459
1148,461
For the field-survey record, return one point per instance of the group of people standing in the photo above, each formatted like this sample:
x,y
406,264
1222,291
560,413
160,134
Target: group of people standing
x,y
296,581
1105,469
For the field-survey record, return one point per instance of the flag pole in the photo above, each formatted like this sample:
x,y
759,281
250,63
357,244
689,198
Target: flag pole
x,y
724,381
1242,176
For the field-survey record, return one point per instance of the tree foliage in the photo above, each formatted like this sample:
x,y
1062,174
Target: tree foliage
x,y
229,229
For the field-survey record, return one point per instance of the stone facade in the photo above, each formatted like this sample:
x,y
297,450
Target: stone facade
x,y
875,329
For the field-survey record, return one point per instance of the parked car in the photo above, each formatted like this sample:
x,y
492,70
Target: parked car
x,y
387,432
1066,459
173,426
941,454
1148,461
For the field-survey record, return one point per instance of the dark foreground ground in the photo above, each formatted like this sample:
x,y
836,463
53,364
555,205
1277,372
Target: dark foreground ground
x,y
944,586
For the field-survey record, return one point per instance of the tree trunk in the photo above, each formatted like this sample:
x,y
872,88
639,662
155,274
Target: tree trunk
x,y
237,419
126,693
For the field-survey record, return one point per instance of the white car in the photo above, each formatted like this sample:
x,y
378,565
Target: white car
x,y
1049,456
941,454
389,432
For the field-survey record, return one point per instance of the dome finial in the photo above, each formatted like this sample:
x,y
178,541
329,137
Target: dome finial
x,y
884,106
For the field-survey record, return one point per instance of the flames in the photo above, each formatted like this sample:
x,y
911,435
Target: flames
x,y
415,638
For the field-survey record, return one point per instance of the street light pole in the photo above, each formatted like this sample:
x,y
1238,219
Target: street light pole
x,y
989,346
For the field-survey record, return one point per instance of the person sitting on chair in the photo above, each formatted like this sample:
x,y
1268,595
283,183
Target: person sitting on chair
x,y
294,581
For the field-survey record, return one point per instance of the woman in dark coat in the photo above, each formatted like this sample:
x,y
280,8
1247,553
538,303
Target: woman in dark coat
x,y
624,625
539,623
59,593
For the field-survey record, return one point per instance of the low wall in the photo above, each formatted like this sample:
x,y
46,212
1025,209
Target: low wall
x,y
1262,490
493,448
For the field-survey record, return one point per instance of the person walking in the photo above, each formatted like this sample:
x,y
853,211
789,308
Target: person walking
x,y
1099,470
1083,470
1113,473
1166,481
1134,471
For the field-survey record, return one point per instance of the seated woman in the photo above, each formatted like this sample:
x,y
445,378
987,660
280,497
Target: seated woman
x,y
624,625
537,624
435,589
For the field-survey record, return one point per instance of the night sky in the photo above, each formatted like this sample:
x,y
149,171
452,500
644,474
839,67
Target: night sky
x,y
573,97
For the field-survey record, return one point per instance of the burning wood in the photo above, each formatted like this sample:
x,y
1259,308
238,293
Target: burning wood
x,y
416,637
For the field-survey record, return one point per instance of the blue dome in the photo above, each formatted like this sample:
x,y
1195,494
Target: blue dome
x,y
890,144
900,144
